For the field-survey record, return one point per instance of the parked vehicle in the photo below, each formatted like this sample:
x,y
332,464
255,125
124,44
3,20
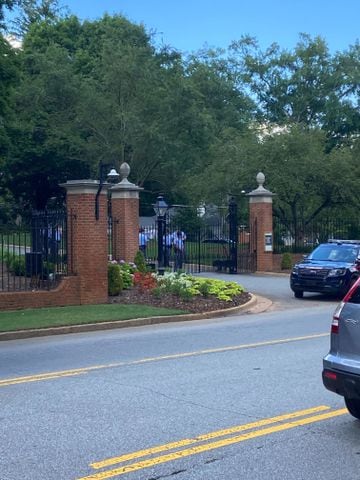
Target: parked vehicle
x,y
331,268
341,366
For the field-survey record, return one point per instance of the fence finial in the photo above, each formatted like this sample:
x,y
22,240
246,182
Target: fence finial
x,y
260,178
124,171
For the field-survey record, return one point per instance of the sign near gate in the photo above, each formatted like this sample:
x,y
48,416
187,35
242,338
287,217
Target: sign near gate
x,y
268,242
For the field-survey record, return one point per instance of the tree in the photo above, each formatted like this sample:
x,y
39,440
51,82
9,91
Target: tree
x,y
307,85
32,12
5,4
305,177
47,147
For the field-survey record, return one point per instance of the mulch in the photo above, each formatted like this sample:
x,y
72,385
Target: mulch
x,y
197,304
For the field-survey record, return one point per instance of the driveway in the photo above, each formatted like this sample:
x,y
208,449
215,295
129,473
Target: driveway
x,y
275,287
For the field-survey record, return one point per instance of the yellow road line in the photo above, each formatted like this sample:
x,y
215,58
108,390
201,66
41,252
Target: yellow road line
x,y
39,379
211,446
207,436
59,374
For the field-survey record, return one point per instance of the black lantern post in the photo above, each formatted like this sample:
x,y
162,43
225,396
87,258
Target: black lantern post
x,y
111,176
161,207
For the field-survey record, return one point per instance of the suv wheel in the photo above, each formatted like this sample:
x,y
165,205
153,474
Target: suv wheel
x,y
353,405
299,294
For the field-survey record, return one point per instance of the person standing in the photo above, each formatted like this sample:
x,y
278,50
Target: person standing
x,y
179,249
168,243
143,240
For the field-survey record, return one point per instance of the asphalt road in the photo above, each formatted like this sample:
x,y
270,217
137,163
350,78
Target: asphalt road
x,y
228,398
276,287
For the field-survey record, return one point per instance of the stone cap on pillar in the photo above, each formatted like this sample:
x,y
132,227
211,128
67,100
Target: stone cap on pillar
x,y
81,186
125,189
260,194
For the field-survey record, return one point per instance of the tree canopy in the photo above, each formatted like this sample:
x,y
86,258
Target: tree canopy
x,y
195,128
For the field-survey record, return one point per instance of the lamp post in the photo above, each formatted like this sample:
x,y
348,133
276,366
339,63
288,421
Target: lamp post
x,y
160,208
111,176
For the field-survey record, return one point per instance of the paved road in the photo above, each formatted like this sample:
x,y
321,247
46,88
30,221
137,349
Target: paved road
x,y
221,399
276,288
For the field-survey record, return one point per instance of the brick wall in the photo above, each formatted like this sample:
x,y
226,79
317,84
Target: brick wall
x,y
87,282
67,293
89,245
261,216
125,212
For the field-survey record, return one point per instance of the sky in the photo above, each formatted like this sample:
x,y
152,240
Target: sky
x,y
189,25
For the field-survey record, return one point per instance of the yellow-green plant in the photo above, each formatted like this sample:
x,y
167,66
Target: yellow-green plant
x,y
178,283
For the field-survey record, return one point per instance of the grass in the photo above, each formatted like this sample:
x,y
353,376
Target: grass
x,y
206,251
64,316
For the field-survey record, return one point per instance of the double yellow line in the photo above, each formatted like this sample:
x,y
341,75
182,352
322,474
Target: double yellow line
x,y
199,445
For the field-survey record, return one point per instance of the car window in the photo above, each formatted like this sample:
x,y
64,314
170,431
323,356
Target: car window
x,y
335,253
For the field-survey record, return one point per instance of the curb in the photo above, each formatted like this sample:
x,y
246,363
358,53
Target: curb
x,y
138,322
275,274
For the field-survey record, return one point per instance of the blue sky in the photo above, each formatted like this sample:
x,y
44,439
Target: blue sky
x,y
188,25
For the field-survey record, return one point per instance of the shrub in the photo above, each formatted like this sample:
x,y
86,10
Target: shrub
x,y
115,281
127,271
286,261
205,288
15,264
145,281
219,288
140,261
184,285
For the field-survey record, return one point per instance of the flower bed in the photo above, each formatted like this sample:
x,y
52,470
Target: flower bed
x,y
177,290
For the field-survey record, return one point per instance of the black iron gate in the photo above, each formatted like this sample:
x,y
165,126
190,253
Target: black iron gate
x,y
33,255
215,242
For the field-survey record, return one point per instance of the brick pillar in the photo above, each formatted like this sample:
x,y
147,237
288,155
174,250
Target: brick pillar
x,y
125,214
87,239
261,225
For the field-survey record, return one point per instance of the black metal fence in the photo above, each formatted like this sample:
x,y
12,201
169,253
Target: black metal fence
x,y
33,255
303,237
215,243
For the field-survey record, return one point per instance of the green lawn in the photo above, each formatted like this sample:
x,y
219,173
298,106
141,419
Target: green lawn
x,y
60,316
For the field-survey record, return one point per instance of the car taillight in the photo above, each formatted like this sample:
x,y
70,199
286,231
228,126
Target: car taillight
x,y
330,375
336,317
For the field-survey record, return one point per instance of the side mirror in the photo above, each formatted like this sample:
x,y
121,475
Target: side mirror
x,y
306,256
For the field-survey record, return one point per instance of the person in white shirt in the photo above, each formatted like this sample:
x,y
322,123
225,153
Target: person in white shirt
x,y
179,238
143,240
168,244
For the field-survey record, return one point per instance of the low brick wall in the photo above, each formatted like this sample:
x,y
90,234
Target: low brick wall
x,y
67,293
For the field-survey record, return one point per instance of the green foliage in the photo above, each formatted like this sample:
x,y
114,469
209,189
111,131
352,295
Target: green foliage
x,y
187,286
194,128
306,85
286,261
115,282
8,4
221,289
205,288
15,264
188,219
127,271
140,261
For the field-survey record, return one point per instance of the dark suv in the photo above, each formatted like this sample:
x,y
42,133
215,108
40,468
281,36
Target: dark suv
x,y
341,366
331,268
